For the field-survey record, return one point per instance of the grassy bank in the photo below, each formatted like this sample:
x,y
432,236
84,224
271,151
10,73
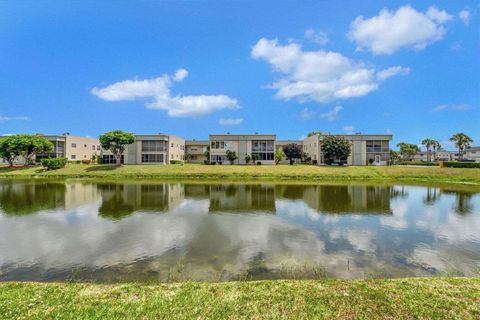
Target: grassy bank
x,y
228,172
445,298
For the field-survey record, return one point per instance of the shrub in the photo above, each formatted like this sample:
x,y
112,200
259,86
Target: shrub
x,y
54,163
259,163
417,163
175,161
206,162
314,162
86,161
459,164
99,159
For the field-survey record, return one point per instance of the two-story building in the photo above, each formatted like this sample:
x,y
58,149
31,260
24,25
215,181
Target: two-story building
x,y
150,149
260,147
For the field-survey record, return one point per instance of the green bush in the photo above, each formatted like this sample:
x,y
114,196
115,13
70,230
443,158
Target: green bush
x,y
86,161
459,164
99,159
417,163
54,163
175,161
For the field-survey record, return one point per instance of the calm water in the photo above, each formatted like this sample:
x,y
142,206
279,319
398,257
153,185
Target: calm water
x,y
153,231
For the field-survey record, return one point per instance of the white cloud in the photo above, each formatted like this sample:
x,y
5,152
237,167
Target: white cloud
x,y
318,37
349,129
404,28
230,121
393,71
158,89
14,118
321,76
306,114
452,107
465,16
333,114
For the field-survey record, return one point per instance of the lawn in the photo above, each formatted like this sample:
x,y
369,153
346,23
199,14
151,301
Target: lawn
x,y
439,298
255,172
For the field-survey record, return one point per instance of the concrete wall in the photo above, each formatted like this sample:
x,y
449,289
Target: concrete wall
x,y
176,148
85,148
195,150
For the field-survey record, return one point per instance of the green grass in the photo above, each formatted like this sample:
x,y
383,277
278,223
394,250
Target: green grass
x,y
433,298
254,172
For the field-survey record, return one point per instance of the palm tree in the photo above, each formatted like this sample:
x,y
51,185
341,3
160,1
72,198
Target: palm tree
x,y
462,142
428,143
436,147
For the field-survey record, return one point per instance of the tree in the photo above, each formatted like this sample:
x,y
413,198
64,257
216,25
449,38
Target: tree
x,y
207,154
334,147
436,147
279,155
10,149
312,133
116,142
462,142
428,143
394,156
30,145
231,156
292,151
408,150
248,158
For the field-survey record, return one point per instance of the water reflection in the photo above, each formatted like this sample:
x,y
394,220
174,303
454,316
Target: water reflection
x,y
57,230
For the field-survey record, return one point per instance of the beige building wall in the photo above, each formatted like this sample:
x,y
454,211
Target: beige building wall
x,y
81,148
195,150
176,148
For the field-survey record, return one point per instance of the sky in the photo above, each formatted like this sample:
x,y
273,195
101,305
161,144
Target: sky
x,y
195,68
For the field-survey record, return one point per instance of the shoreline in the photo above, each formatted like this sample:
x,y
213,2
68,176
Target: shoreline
x,y
213,173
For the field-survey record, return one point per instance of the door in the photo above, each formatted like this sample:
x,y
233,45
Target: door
x,y
377,159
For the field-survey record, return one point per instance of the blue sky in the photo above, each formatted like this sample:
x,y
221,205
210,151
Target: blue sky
x,y
194,68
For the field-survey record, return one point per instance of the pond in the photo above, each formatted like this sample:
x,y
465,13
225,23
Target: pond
x,y
102,231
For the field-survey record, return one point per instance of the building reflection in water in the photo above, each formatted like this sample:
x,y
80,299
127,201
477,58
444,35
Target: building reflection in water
x,y
118,200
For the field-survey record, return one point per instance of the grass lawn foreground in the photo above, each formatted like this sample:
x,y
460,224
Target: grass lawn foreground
x,y
433,298
254,172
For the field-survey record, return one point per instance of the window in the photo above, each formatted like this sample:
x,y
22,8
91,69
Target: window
x,y
98,148
263,149
85,145
73,156
93,148
171,145
84,156
218,144
154,146
74,145
378,148
193,148
171,156
218,158
155,157
110,159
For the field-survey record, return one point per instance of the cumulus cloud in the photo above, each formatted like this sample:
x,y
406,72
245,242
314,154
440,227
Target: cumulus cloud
x,y
158,91
452,107
320,76
13,118
404,28
230,121
318,37
393,71
333,114
465,16
306,114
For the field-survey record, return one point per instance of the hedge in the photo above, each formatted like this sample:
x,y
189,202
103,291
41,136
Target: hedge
x,y
54,163
459,164
417,163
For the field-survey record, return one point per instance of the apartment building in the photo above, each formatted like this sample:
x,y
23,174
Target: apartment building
x,y
150,149
195,150
437,156
365,148
259,146
473,154
72,147
69,146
